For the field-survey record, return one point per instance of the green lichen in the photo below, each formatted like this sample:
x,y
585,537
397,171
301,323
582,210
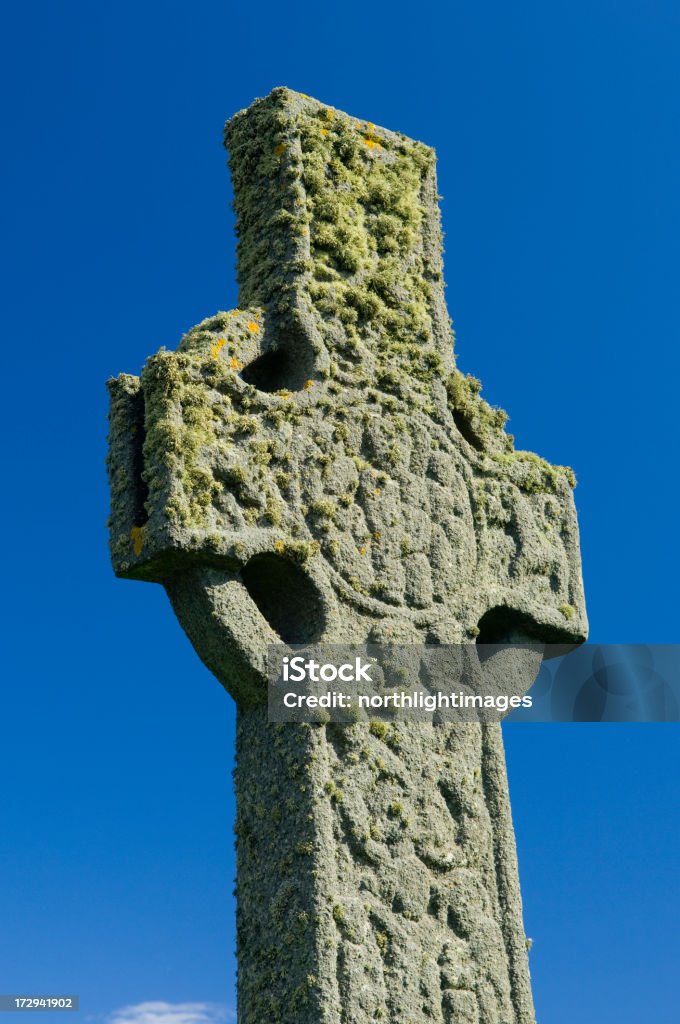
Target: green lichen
x,y
330,216
334,792
180,432
481,424
274,511
534,474
298,551
323,507
339,914
483,427
378,729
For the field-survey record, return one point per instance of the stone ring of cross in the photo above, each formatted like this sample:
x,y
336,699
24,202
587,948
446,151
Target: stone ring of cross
x,y
313,468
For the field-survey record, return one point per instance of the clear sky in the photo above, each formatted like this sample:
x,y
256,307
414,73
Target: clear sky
x,y
556,129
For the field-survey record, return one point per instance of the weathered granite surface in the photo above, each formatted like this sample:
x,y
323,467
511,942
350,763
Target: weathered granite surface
x,y
312,466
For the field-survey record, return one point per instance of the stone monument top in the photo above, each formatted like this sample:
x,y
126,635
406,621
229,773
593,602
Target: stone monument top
x,y
323,425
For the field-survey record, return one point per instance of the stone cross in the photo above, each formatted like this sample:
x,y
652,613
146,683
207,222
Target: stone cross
x,y
312,467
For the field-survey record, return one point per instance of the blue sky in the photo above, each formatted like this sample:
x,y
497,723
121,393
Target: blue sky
x,y
556,130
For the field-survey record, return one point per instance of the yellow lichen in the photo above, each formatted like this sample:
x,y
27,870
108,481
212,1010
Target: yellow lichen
x,y
137,538
280,149
216,348
235,364
370,138
252,326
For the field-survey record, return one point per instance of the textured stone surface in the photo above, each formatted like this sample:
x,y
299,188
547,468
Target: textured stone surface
x,y
312,466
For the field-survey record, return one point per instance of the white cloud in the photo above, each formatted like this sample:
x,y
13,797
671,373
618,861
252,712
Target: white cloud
x,y
158,1012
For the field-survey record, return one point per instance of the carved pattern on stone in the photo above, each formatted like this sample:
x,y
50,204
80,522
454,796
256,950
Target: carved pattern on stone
x,y
312,466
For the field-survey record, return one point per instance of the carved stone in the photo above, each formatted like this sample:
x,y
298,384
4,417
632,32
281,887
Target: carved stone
x,y
313,467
